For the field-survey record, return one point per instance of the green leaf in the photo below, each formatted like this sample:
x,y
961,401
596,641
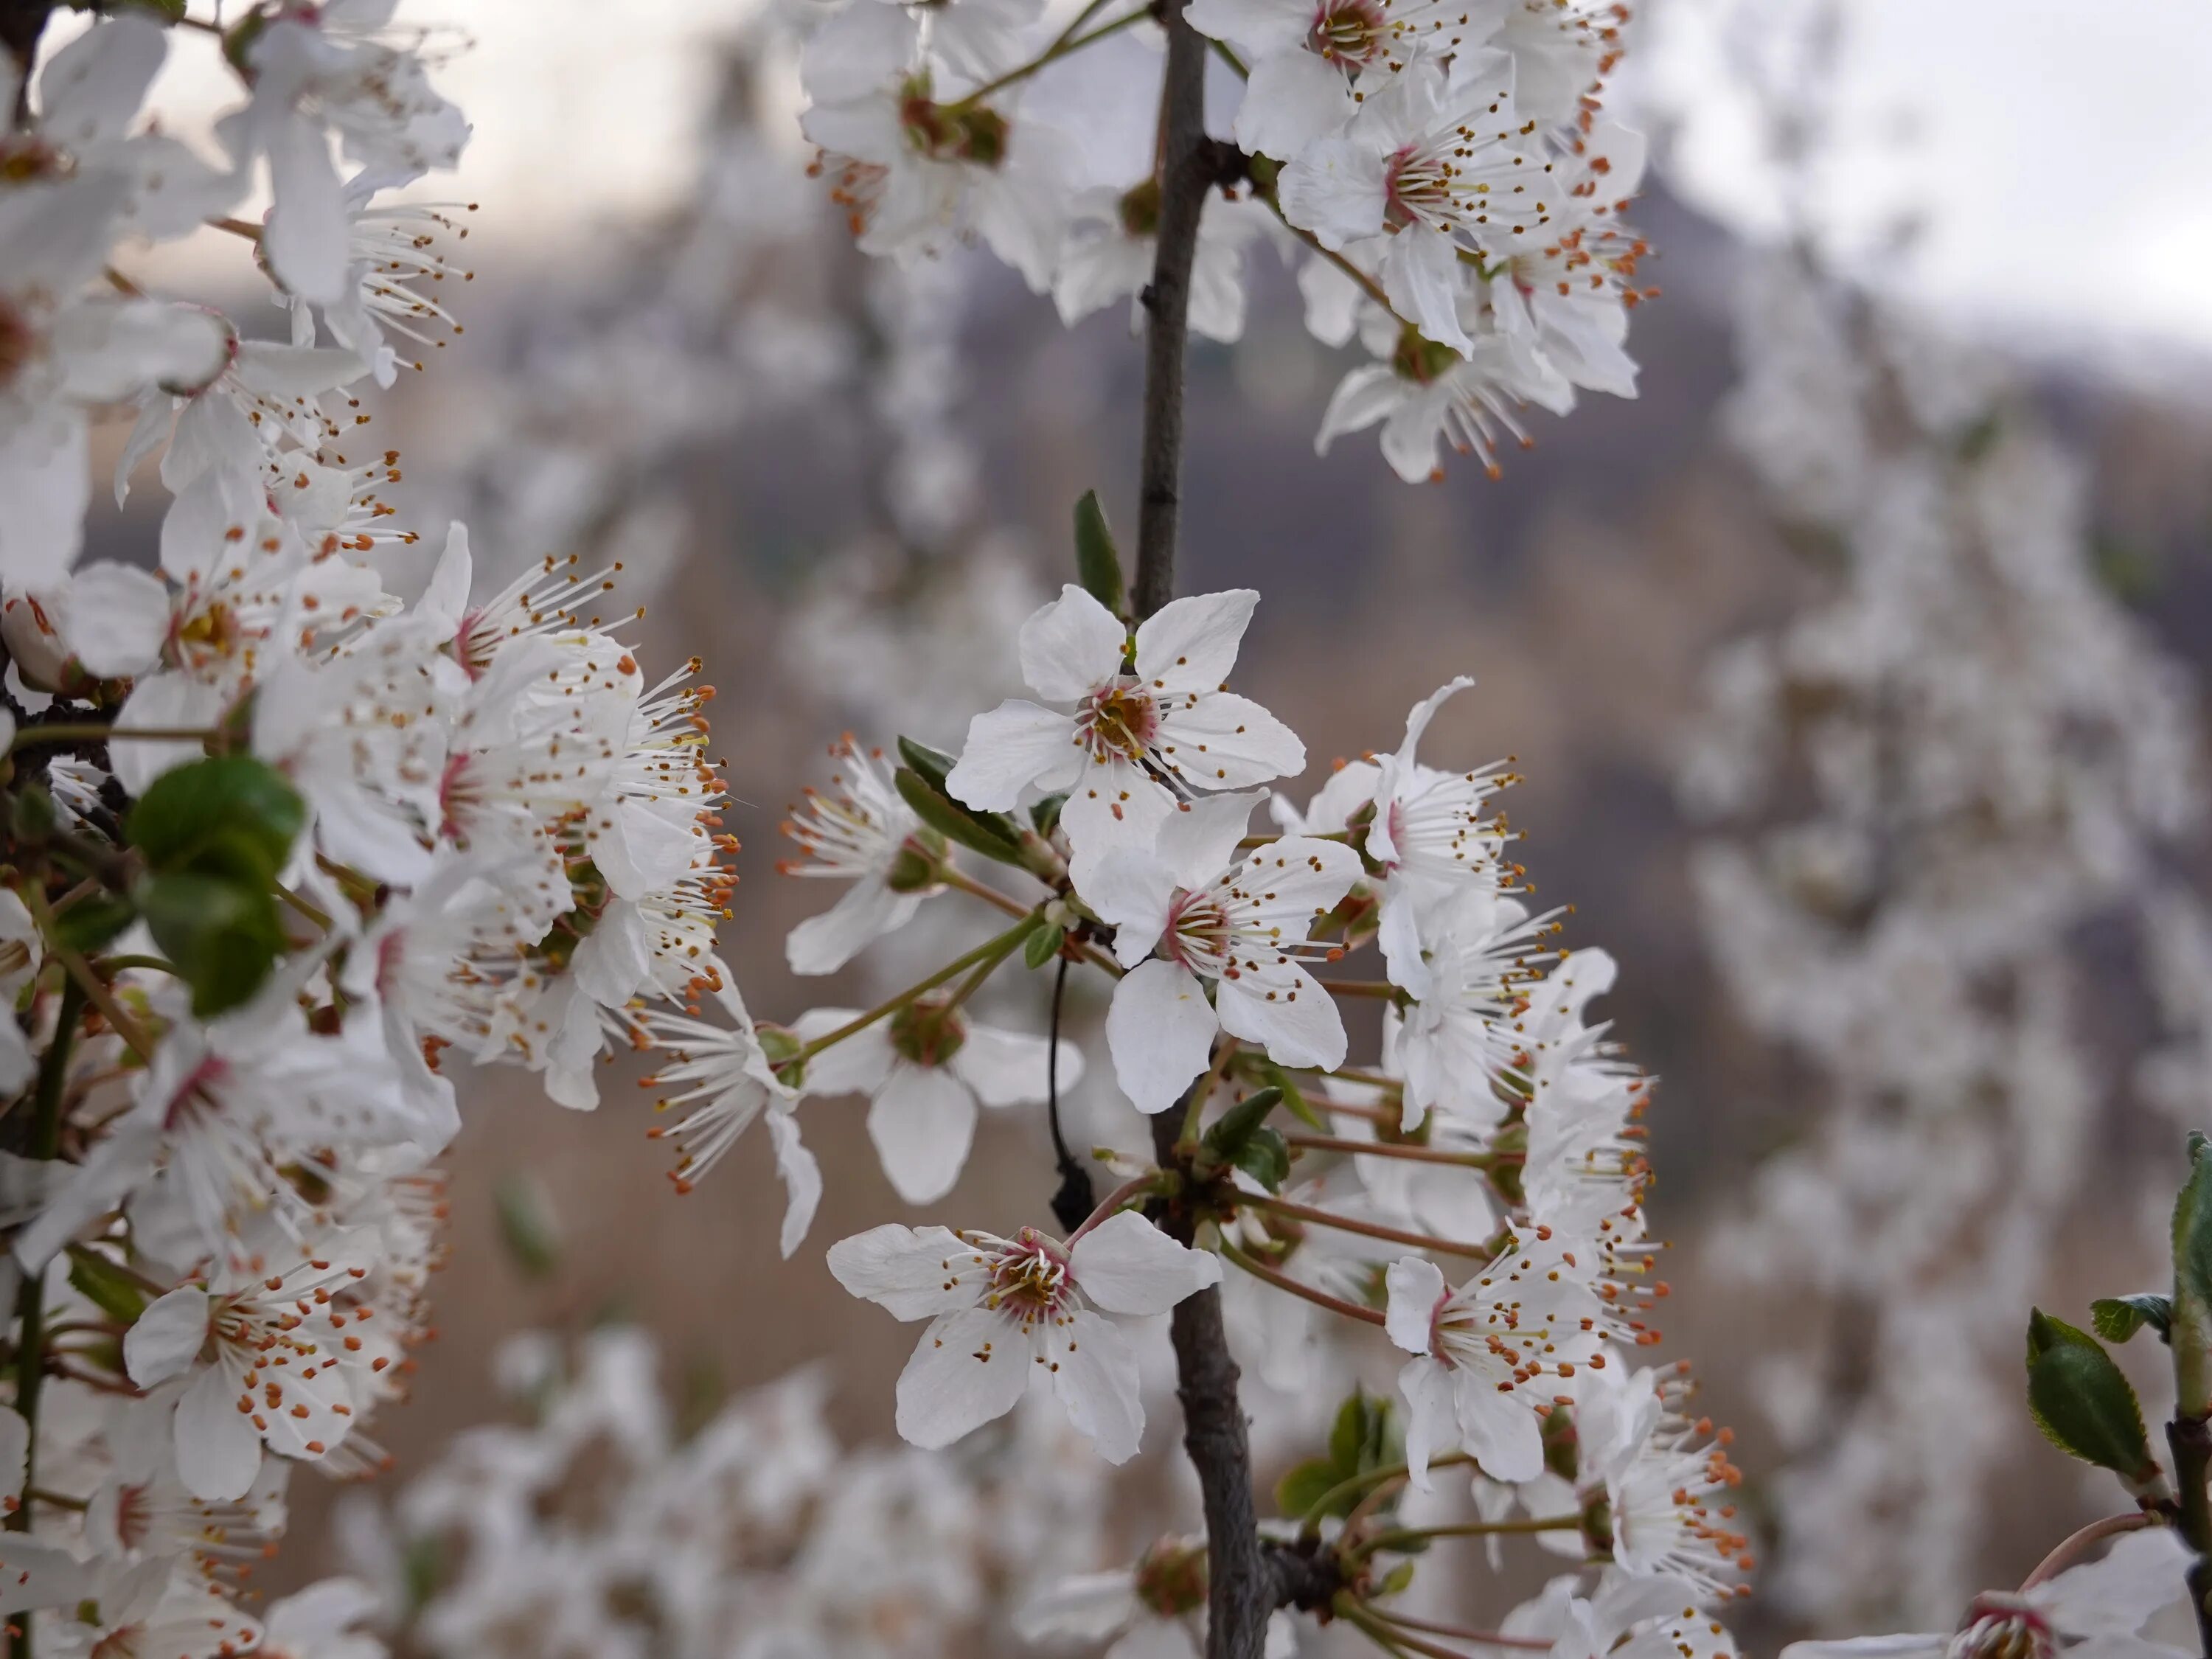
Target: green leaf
x,y
1349,1434
93,920
230,813
2117,1318
220,934
1304,1485
1045,815
991,834
2191,1333
1234,1127
934,765
1399,1578
526,1224
1097,565
2080,1399
1266,1157
106,1285
1294,1097
1042,945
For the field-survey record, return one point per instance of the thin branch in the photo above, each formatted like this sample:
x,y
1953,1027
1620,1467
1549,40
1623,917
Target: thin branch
x,y
1489,1638
997,945
2063,1557
1068,43
1282,1281
1283,1207
1073,1201
1393,1149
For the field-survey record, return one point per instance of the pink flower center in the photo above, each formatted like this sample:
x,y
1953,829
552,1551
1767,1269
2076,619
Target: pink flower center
x,y
1117,719
1348,31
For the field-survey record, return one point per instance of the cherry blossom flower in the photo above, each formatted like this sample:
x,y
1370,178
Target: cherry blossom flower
x,y
858,830
1184,923
1150,724
1430,836
925,1070
1529,1313
2105,1606
1003,1309
267,1352
1438,158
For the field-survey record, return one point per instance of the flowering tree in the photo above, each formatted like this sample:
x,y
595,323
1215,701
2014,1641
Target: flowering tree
x,y
284,849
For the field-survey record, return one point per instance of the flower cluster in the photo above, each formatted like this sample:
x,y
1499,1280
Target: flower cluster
x,y
283,848
1441,175
1471,1196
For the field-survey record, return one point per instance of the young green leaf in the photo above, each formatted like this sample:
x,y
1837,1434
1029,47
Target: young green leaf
x,y
1042,945
106,1285
1304,1485
233,811
991,834
2080,1399
220,934
1097,565
1234,1127
2117,1318
93,920
1266,1157
934,765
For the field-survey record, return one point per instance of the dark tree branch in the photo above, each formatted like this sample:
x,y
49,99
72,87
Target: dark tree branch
x,y
1247,1578
1189,167
21,22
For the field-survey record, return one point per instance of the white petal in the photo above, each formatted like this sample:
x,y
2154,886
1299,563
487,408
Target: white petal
x,y
1127,1265
856,1065
1198,840
1009,747
922,1121
1131,889
916,1272
164,699
1154,1636
1416,1286
969,1367
91,89
1071,646
1266,27
868,910
1110,807
218,1453
34,1575
1089,1607
2115,1596
1364,396
166,1337
1288,1013
1009,1068
113,618
1426,1384
1094,1372
1160,1032
1190,644
1227,742
801,1177
1420,273
446,600
1293,98
46,479
305,238
1334,188
1498,1429
112,349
